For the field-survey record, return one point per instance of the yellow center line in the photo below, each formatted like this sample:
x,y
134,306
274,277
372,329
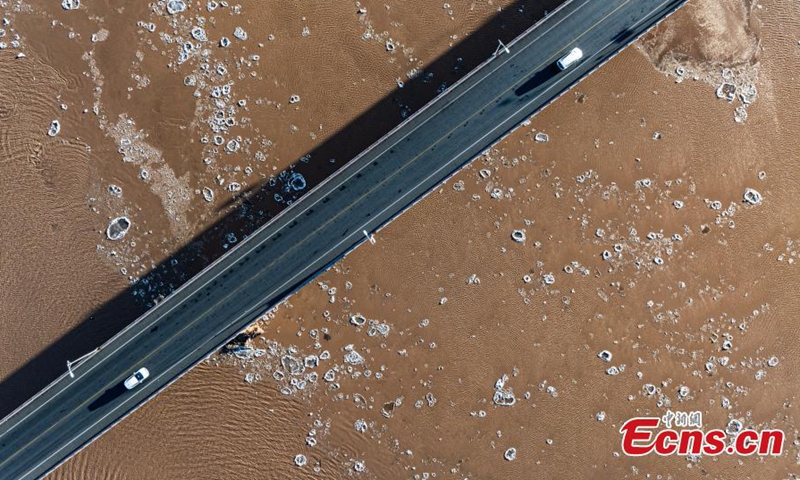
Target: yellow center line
x,y
548,61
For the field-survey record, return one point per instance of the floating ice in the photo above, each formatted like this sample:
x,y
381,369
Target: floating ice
x,y
726,91
297,182
118,228
376,328
240,33
311,361
292,364
601,415
358,319
115,190
294,99
740,114
752,196
208,194
605,356
55,127
360,425
174,6
246,353
734,427
511,454
199,34
503,396
300,460
232,146
353,358
224,42
548,279
772,362
70,4
518,236
541,137
359,466
748,94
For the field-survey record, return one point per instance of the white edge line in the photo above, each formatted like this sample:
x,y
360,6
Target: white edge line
x,y
358,243
283,212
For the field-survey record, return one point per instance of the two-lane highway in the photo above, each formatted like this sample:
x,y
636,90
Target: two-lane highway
x,y
319,229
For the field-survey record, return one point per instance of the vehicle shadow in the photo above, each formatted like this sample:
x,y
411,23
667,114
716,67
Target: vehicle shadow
x,y
108,396
536,79
252,208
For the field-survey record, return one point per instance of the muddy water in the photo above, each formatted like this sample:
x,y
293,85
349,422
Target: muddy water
x,y
194,143
388,365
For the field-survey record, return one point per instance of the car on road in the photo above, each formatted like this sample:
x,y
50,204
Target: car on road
x,y
137,378
570,58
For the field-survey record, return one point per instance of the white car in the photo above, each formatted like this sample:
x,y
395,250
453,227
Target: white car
x,y
138,377
570,58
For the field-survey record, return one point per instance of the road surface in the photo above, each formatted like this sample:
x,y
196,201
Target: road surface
x,y
319,229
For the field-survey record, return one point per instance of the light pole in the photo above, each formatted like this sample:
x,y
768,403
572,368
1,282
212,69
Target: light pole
x,y
70,364
371,238
501,47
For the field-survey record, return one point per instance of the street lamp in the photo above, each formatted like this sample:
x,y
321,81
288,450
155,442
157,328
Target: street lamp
x,y
70,364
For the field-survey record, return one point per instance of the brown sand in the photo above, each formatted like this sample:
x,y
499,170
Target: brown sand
x,y
450,283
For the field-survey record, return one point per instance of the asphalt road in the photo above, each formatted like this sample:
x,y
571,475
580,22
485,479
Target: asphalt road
x,y
319,229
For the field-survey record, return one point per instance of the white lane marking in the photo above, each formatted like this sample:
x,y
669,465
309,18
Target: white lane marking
x,y
417,156
372,189
348,238
273,220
